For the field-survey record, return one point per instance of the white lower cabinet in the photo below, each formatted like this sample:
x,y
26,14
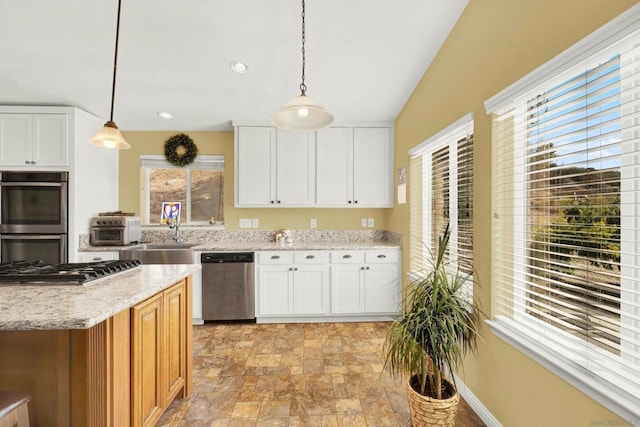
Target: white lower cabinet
x,y
292,283
326,285
98,256
365,282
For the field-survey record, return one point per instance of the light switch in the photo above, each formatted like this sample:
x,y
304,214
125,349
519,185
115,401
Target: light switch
x,y
370,222
245,222
363,222
255,223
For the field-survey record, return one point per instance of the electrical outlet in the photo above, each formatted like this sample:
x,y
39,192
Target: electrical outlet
x,y
255,223
370,222
363,222
245,223
314,223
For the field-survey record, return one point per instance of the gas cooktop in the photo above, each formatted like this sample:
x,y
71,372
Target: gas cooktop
x,y
37,272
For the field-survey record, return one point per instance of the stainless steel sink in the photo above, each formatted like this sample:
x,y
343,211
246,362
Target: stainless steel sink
x,y
162,246
161,253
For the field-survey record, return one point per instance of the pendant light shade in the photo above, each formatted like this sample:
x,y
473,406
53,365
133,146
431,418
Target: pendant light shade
x,y
109,136
302,113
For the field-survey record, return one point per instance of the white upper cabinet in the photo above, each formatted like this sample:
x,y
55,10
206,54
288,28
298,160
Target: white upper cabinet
x,y
355,167
255,176
295,168
335,167
373,167
274,168
34,140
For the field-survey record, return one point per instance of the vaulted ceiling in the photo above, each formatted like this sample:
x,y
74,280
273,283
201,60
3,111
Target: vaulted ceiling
x,y
364,57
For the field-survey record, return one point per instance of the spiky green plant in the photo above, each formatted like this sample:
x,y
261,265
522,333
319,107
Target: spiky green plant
x,y
436,328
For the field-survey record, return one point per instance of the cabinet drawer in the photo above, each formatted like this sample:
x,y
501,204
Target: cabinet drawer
x,y
311,257
382,256
347,257
275,258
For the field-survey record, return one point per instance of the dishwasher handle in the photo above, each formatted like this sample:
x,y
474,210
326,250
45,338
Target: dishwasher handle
x,y
226,257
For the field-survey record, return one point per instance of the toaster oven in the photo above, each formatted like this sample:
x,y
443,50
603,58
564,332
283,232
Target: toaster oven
x,y
115,230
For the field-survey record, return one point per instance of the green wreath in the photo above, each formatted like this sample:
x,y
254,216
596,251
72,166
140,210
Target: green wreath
x,y
180,150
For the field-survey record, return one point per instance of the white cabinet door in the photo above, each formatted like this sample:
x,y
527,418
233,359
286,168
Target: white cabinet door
x,y
15,136
34,140
274,168
372,167
346,289
296,171
310,289
255,166
274,290
51,139
355,167
334,167
381,288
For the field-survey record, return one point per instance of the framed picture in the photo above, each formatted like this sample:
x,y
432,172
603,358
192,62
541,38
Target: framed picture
x,y
170,212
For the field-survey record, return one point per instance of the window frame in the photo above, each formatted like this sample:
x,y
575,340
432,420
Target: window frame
x,y
157,161
518,331
448,137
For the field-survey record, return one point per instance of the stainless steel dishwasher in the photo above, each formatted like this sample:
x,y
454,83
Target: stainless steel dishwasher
x,y
227,286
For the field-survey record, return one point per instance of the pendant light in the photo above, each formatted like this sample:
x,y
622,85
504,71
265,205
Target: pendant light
x,y
109,136
302,113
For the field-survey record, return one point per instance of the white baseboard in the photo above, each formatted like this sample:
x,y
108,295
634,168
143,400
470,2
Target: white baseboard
x,y
475,403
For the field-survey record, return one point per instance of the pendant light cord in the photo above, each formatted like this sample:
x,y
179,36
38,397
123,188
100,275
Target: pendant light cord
x,y
115,62
303,87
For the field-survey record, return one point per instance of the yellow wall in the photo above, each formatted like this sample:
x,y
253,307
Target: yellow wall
x,y
495,43
222,143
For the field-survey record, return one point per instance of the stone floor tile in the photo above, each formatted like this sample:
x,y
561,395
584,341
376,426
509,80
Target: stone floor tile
x,y
298,375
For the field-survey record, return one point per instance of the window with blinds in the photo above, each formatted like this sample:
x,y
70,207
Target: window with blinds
x,y
566,187
441,176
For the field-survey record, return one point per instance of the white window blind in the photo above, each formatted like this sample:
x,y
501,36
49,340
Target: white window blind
x,y
441,179
566,199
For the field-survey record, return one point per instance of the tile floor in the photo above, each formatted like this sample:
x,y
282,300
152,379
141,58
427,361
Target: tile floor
x,y
311,374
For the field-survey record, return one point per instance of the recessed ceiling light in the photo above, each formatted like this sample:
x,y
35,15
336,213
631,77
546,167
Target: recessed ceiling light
x,y
165,115
239,67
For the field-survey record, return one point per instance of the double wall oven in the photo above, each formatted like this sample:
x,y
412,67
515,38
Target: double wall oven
x,y
33,216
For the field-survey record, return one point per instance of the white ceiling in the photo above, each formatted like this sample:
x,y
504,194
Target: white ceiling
x,y
364,57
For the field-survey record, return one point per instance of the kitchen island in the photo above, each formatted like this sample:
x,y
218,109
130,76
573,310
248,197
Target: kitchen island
x,y
113,352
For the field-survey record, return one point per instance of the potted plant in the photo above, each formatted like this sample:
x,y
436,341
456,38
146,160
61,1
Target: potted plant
x,y
437,326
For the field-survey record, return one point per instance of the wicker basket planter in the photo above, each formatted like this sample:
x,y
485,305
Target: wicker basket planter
x,y
426,411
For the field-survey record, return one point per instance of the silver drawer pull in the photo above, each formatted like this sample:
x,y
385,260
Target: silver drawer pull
x,y
382,256
275,256
310,256
346,256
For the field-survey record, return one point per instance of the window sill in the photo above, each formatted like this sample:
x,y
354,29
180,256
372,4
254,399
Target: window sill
x,y
618,401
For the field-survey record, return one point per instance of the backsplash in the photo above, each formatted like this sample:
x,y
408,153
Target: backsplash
x,y
195,235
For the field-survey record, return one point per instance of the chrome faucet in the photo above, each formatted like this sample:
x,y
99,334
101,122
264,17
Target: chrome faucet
x,y
174,224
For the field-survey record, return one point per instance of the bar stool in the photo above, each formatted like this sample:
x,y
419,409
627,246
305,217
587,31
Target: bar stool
x,y
14,409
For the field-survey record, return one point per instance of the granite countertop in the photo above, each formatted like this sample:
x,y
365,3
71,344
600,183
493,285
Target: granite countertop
x,y
46,307
266,246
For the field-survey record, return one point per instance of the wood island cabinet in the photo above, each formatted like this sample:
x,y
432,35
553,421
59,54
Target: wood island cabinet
x,y
124,371
158,353
147,398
